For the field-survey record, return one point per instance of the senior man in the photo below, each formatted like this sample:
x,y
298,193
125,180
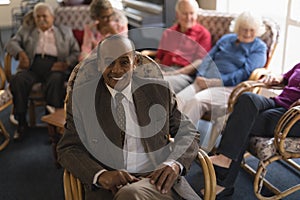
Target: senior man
x,y
45,52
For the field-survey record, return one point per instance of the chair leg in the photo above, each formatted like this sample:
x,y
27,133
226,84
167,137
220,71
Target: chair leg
x,y
32,119
6,136
209,175
260,180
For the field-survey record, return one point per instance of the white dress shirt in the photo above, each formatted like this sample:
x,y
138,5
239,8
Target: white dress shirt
x,y
46,43
136,160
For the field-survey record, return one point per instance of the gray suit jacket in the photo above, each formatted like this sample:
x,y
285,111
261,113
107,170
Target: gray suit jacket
x,y
26,40
91,141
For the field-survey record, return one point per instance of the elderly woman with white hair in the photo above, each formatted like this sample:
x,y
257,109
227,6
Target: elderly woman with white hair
x,y
232,60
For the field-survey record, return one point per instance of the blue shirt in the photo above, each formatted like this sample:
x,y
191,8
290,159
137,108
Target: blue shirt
x,y
233,61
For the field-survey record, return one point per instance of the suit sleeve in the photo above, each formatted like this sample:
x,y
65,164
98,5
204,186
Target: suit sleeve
x,y
72,154
186,137
14,45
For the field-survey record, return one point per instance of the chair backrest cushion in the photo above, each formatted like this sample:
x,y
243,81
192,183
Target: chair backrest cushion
x,y
75,17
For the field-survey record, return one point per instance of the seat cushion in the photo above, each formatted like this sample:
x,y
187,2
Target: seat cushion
x,y
264,148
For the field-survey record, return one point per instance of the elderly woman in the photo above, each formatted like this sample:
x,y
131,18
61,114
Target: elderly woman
x,y
253,115
107,21
229,62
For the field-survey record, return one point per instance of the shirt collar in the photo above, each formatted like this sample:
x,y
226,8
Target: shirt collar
x,y
126,92
51,29
178,28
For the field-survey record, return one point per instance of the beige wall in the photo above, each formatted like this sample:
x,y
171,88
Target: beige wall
x,y
207,4
6,10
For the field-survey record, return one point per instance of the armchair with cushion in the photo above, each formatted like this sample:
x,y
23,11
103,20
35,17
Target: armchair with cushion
x,y
72,16
280,148
218,24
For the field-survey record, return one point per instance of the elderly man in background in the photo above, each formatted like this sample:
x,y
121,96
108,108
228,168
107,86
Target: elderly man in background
x,y
183,46
45,52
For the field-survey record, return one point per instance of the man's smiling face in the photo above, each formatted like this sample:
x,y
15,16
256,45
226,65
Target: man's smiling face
x,y
117,62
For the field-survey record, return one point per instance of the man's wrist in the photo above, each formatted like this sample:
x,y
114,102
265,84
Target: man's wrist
x,y
171,162
96,178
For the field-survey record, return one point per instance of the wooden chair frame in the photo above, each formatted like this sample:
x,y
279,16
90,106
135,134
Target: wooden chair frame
x,y
3,130
36,97
280,134
74,190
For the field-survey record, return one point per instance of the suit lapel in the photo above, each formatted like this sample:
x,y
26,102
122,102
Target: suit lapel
x,y
105,117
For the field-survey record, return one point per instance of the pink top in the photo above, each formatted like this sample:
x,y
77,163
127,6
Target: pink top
x,y
181,49
92,37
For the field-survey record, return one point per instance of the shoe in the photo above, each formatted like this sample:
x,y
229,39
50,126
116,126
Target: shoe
x,y
18,134
221,172
50,109
13,119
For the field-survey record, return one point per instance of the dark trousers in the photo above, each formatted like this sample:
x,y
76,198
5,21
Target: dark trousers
x,y
253,115
40,71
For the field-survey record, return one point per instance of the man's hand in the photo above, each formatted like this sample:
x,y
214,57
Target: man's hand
x,y
59,66
23,60
114,180
165,177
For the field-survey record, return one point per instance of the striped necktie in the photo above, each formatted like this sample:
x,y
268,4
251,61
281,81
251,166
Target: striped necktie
x,y
120,115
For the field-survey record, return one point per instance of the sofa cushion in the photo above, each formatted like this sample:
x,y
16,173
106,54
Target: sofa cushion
x,y
75,17
264,148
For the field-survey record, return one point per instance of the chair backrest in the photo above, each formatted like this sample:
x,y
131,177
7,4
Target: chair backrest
x,y
218,23
75,17
72,187
146,67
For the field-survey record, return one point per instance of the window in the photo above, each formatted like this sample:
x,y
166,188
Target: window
x,y
286,14
4,2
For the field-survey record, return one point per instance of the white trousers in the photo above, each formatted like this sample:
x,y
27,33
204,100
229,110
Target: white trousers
x,y
195,105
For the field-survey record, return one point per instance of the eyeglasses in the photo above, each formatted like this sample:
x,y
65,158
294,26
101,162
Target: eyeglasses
x,y
106,17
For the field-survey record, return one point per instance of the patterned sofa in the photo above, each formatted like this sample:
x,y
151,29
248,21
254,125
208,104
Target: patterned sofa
x,y
75,17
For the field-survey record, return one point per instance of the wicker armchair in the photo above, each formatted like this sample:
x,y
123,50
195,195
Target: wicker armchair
x,y
74,190
146,67
5,101
64,15
281,147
